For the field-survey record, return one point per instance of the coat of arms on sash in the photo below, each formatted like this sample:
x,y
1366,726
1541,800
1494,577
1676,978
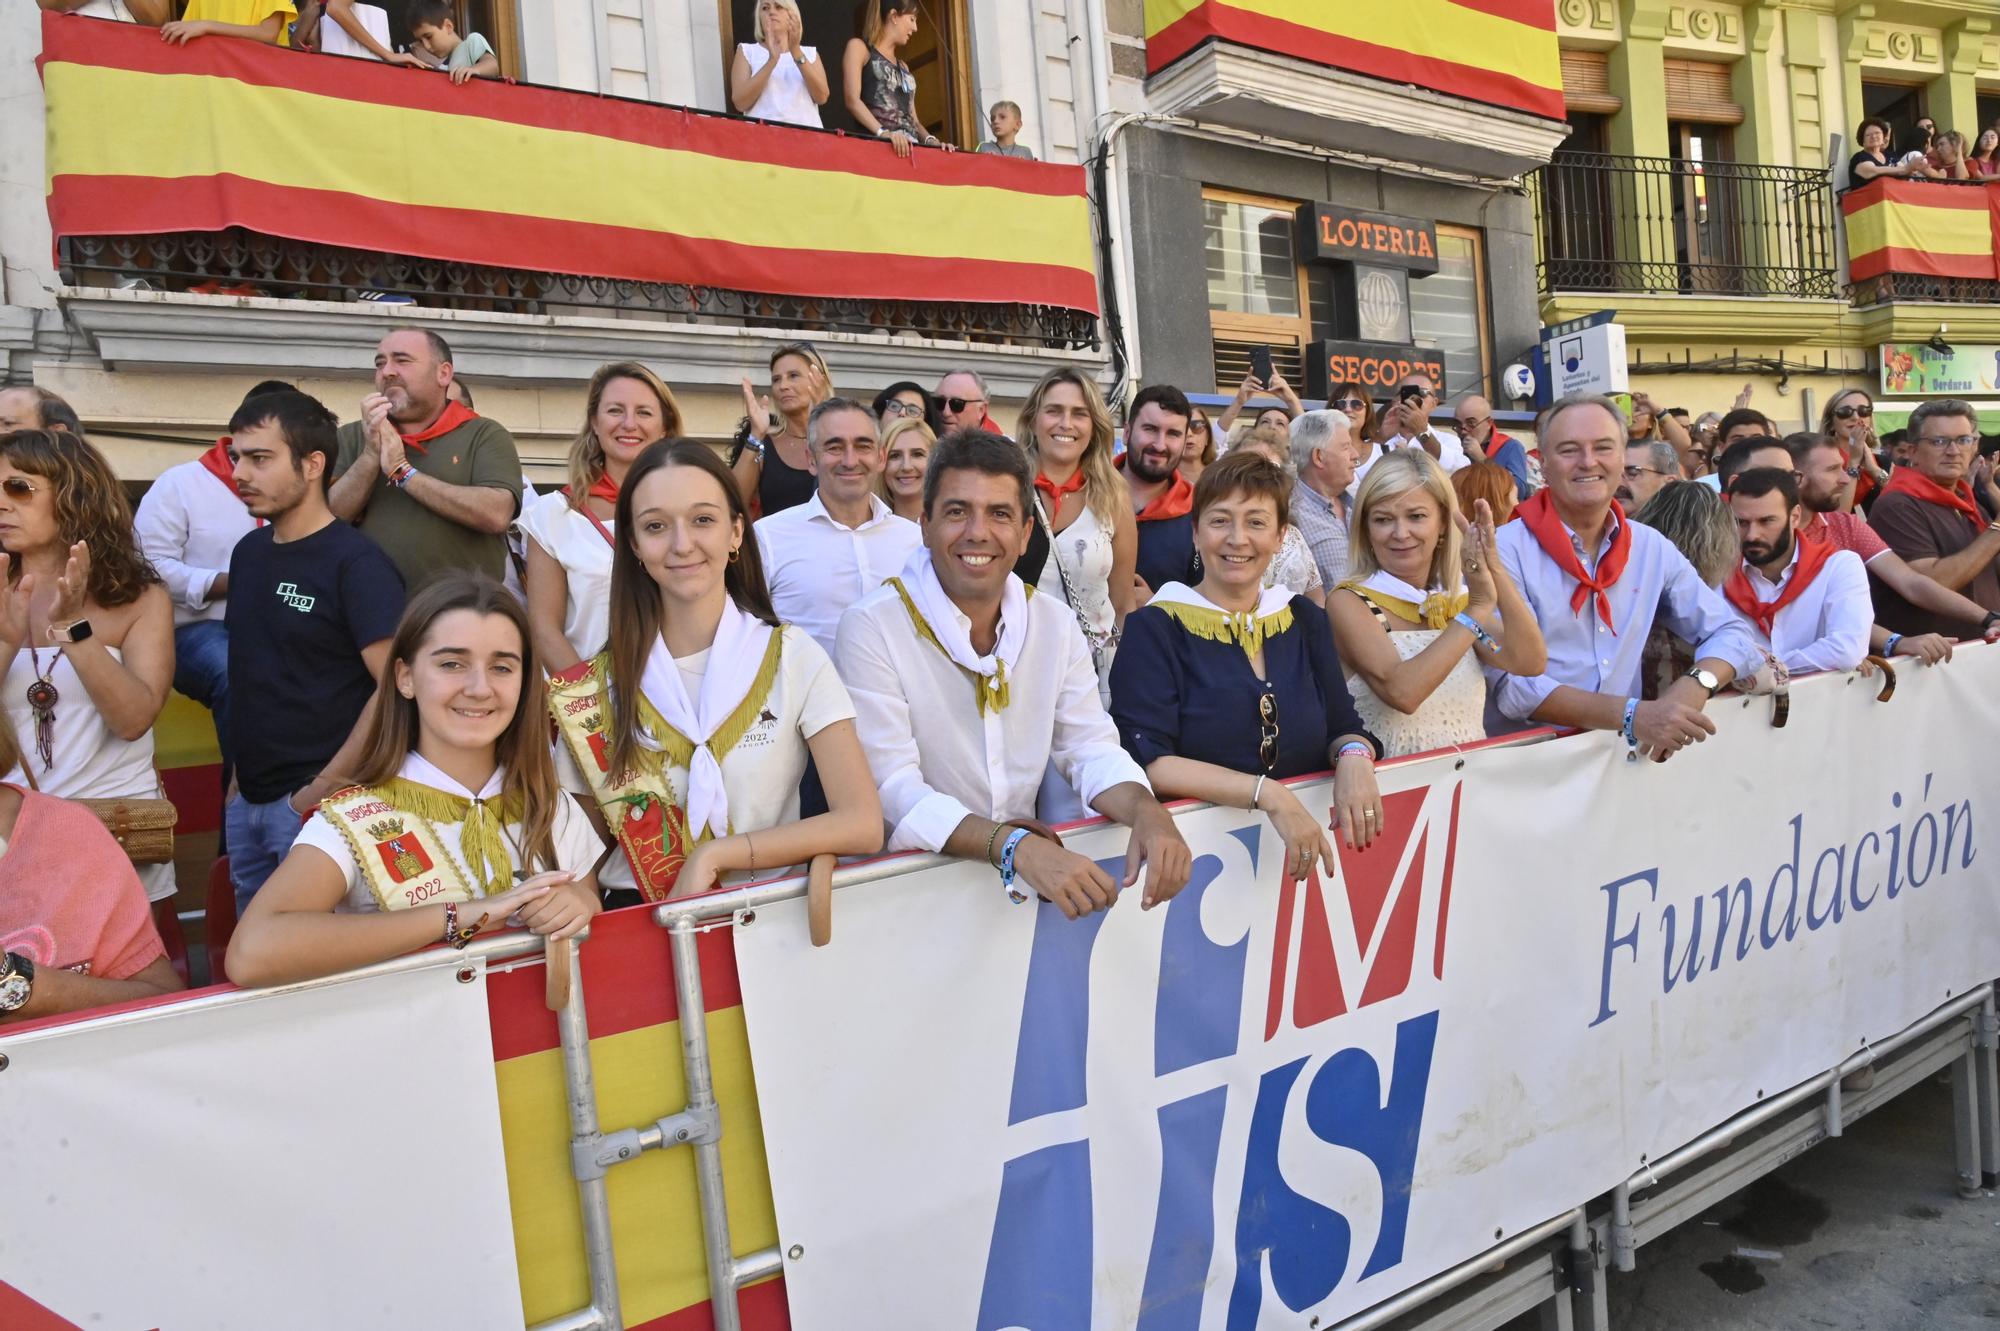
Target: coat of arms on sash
x,y
402,854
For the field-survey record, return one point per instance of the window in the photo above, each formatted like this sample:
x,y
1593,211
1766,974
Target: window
x,y
1256,295
1901,104
1448,310
939,56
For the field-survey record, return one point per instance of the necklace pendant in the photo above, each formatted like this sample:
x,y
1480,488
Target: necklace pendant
x,y
42,696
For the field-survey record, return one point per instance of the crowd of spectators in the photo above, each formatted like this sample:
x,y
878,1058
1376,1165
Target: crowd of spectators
x,y
827,643
1923,153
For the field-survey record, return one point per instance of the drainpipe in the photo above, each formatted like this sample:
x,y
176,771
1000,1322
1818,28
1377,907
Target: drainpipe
x,y
1088,25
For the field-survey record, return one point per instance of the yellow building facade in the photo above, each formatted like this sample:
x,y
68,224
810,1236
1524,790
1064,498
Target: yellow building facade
x,y
1699,194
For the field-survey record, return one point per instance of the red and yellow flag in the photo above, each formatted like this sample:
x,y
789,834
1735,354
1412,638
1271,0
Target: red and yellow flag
x,y
375,157
1502,52
1927,227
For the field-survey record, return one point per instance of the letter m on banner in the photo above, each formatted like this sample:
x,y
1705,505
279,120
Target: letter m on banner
x,y
1361,938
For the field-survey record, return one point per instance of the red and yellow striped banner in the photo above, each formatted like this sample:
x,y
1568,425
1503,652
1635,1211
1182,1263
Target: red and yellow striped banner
x,y
635,1048
374,157
1920,226
1502,52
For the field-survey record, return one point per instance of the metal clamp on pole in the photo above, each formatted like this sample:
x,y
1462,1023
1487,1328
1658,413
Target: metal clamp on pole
x,y
592,1157
1624,1252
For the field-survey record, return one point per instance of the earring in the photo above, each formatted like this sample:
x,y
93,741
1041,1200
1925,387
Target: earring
x,y
735,553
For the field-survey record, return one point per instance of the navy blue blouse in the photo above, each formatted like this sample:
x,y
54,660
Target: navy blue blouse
x,y
1176,693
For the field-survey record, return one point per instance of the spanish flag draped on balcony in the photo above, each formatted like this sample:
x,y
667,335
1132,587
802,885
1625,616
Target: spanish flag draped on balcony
x,y
1930,228
353,153
1501,52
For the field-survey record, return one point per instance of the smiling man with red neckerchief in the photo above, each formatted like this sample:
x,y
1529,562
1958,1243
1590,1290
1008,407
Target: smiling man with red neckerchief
x,y
1806,600
1597,582
1930,515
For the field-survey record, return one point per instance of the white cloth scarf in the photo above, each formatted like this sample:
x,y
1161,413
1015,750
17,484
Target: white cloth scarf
x,y
424,772
920,579
741,640
1270,600
1391,585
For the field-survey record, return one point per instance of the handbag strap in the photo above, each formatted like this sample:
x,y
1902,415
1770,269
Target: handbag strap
x,y
1090,635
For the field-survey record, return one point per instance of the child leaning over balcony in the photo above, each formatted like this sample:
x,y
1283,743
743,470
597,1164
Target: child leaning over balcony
x,y
253,20
1004,120
433,28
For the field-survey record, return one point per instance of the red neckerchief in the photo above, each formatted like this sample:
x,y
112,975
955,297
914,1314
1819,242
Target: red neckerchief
x,y
602,488
1910,481
1056,492
1176,501
454,415
1812,558
1539,514
216,462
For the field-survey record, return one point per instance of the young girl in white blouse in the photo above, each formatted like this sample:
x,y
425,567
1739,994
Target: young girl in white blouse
x,y
455,825
692,729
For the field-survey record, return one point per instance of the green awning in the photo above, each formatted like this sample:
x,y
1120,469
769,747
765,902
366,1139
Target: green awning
x,y
1896,416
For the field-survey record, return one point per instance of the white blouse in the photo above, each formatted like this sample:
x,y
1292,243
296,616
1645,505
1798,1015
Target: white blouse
x,y
577,844
576,541
786,97
1294,567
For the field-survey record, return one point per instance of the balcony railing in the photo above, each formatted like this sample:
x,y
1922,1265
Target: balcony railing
x,y
1921,240
1675,227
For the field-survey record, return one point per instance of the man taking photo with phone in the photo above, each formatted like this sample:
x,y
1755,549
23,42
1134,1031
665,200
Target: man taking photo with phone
x,y
1409,415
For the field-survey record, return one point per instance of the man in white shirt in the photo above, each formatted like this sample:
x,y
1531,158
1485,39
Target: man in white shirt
x,y
966,688
825,554
1805,601
1410,415
188,524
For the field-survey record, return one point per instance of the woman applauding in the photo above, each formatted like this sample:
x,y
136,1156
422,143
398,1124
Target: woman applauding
x,y
1429,604
691,731
455,825
1227,689
569,530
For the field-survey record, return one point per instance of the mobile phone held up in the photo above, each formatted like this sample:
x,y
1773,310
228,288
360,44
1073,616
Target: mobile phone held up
x,y
1260,365
1410,393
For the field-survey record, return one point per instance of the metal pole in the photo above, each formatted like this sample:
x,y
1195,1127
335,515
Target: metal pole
x,y
573,1026
1834,1123
707,1154
1965,1122
1624,1252
1989,1092
1416,1296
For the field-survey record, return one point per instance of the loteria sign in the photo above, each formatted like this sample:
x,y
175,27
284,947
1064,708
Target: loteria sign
x,y
1334,232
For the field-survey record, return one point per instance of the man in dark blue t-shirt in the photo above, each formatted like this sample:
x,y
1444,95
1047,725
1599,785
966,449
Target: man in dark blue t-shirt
x,y
313,605
1162,499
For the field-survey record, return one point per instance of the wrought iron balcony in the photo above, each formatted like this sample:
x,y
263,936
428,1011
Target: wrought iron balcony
x,y
1674,227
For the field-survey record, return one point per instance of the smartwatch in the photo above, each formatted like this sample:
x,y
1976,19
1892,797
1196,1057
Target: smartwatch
x,y
17,981
75,631
1706,678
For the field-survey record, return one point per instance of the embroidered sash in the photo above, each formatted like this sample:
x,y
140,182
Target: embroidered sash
x,y
402,858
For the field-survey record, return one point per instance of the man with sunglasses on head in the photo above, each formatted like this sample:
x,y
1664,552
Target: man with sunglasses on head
x,y
961,403
1481,437
1930,514
1826,494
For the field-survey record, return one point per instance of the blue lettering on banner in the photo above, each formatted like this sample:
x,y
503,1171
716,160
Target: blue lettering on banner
x,y
1039,1271
1916,848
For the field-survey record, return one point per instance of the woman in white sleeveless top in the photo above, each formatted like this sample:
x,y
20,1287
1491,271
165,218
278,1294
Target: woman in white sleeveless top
x,y
776,77
1084,508
1428,605
86,627
569,530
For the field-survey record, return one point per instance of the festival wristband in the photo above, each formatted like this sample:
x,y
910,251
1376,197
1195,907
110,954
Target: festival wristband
x,y
1007,849
400,478
1889,647
1625,727
1355,747
1471,625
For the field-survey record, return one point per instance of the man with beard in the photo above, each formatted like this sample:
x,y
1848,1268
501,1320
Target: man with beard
x,y
1826,492
1597,582
313,605
1806,601
1649,465
1930,514
434,485
1162,498
966,690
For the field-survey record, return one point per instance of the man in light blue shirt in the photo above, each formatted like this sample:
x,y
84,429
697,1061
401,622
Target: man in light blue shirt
x,y
1597,583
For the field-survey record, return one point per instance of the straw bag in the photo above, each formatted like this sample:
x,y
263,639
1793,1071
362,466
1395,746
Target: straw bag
x,y
143,828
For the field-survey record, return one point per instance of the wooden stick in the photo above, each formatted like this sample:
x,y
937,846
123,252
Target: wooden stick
x,y
556,953
819,899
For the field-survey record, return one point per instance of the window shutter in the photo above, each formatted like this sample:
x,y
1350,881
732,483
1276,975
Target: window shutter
x,y
1699,91
1587,84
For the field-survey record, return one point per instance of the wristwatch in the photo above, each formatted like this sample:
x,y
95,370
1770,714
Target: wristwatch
x,y
1706,678
1992,616
17,981
75,631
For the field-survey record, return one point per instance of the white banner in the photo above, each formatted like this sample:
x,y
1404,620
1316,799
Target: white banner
x,y
325,1158
1256,1105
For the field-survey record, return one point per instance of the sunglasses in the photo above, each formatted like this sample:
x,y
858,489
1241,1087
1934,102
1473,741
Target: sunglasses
x,y
955,405
1849,413
18,487
1267,719
1348,403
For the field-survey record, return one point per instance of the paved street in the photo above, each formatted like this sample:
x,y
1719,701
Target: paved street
x,y
1873,1236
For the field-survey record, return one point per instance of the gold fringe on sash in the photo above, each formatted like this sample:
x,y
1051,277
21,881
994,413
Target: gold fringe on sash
x,y
484,839
1437,610
1246,630
991,694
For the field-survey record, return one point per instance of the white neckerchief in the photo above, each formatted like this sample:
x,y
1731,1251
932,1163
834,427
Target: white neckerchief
x,y
950,627
1390,585
740,643
1269,601
424,772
